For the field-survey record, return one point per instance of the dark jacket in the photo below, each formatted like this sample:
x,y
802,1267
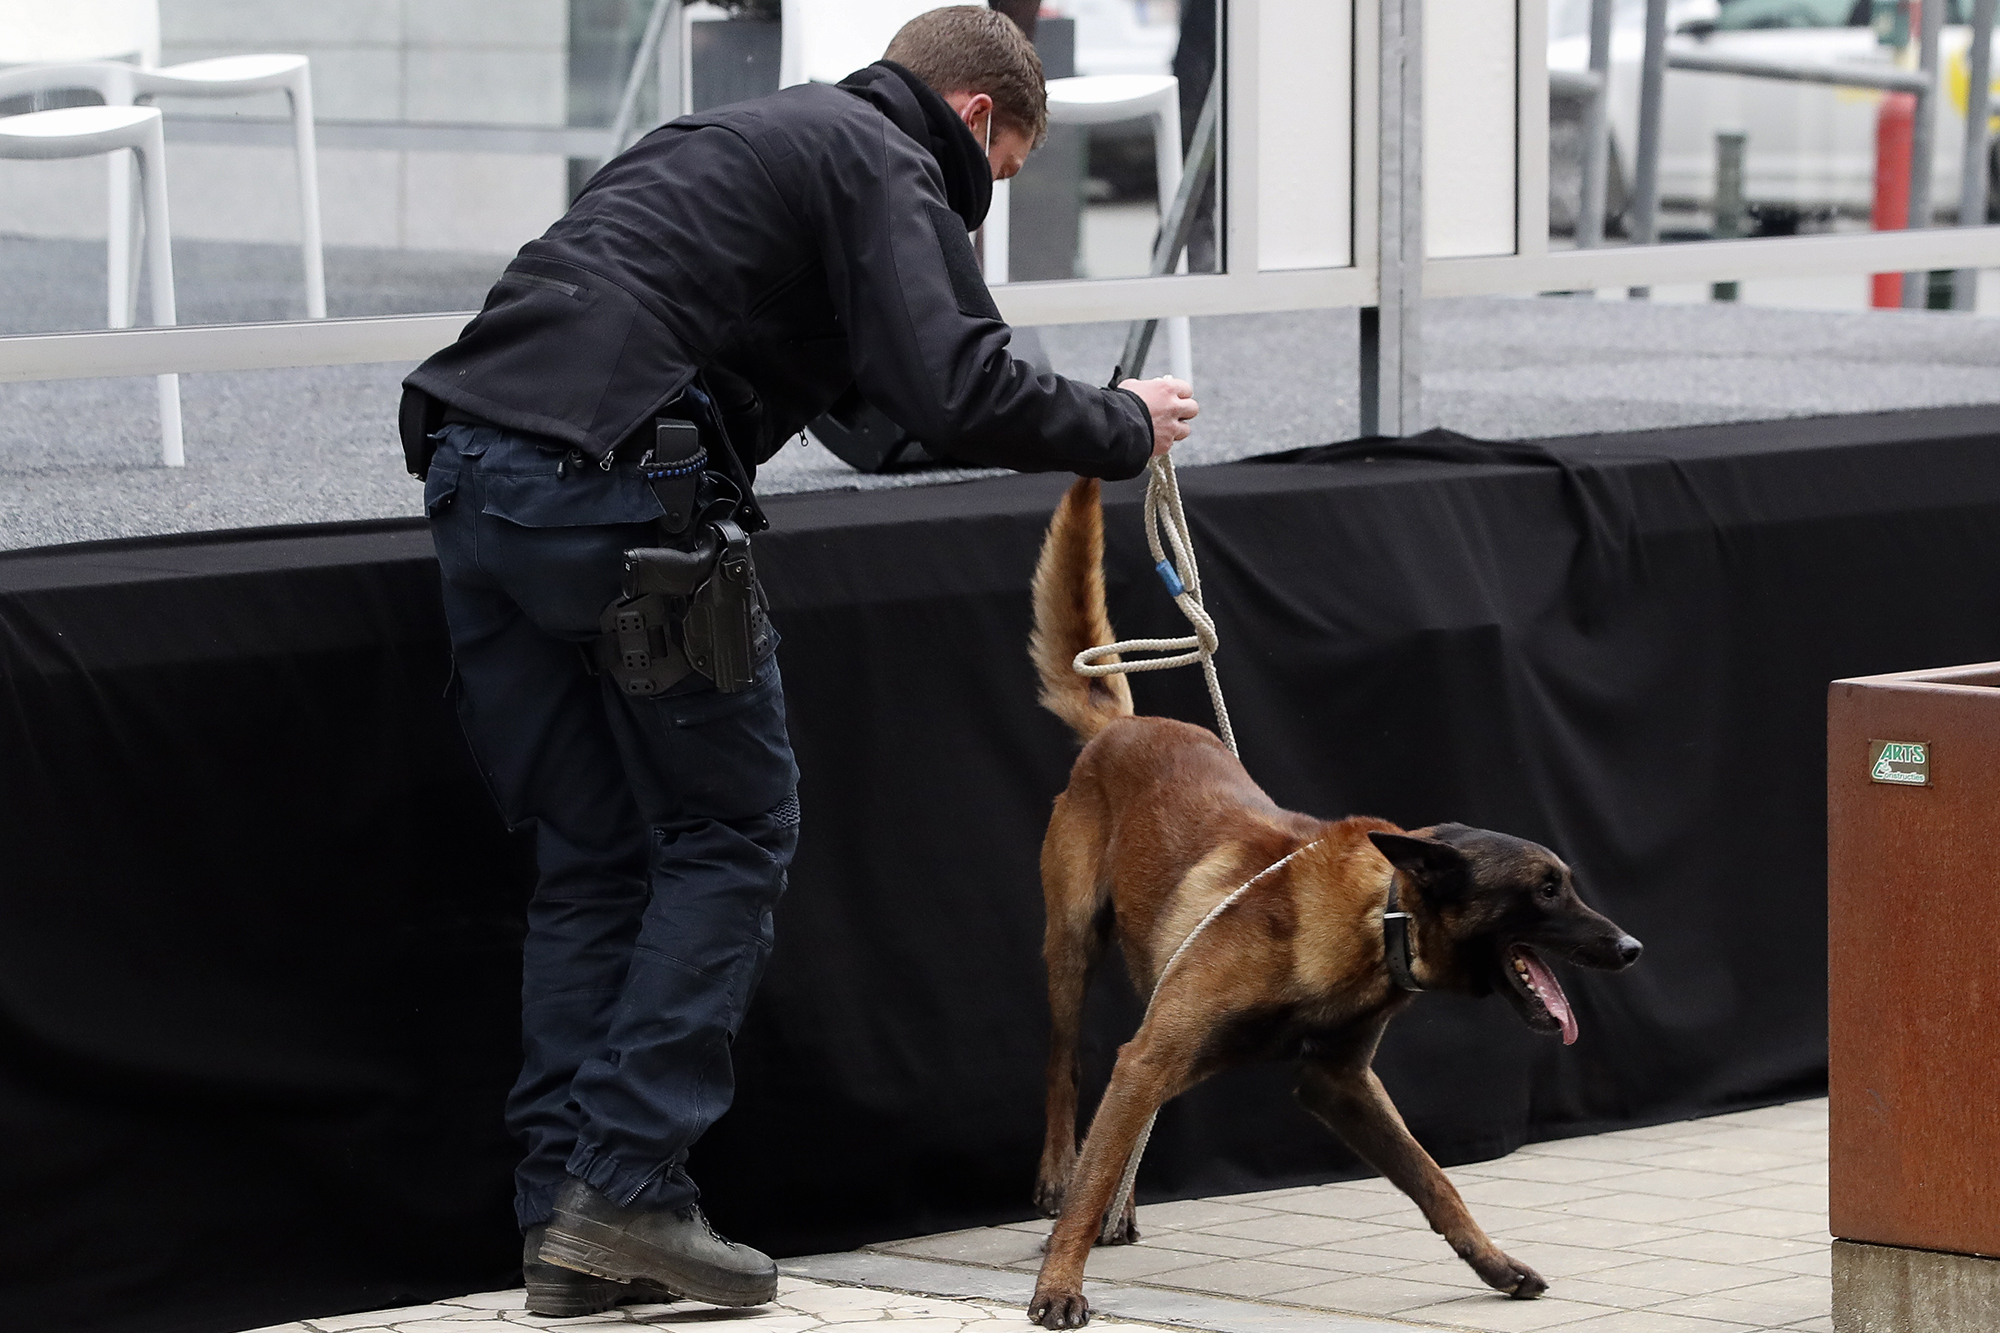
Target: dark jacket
x,y
788,250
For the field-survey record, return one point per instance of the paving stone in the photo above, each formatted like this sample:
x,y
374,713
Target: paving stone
x,y
1804,1144
1343,1261
1265,1198
1191,1213
1239,1277
1794,1198
283,1328
1126,1263
1502,1315
1806,1173
1554,1170
1727,1161
1208,1243
984,1245
1723,1247
1652,1321
1679,1183
1761,1221
1381,1294
1685,1277
1297,1229
1601,1290
1349,1201
1816,1262
1598,1232
1632,1207
491,1300
343,1323
1385,1293
1411,1246
1745,1306
1525,1193
1594,1149
1685,1228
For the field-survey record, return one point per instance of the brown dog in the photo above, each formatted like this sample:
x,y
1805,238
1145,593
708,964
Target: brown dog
x,y
1160,823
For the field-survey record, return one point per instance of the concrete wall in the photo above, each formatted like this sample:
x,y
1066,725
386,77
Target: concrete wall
x,y
441,61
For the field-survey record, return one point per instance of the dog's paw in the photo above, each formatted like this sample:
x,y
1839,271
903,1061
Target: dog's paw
x,y
1513,1277
1048,1197
1059,1309
1125,1231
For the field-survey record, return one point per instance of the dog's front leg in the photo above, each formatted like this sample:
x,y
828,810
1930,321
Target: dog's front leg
x,y
1143,1078
1352,1102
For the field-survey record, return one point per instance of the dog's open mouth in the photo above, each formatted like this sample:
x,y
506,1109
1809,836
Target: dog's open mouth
x,y
1538,986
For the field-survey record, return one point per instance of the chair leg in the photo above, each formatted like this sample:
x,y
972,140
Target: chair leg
x,y
300,92
172,454
120,286
160,266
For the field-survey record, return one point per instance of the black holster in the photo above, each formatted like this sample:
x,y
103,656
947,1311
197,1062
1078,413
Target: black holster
x,y
637,647
712,589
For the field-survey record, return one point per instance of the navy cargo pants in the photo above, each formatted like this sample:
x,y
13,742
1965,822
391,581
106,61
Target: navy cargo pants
x,y
662,825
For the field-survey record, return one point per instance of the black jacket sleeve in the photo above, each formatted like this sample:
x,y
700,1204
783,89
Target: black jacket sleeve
x,y
927,343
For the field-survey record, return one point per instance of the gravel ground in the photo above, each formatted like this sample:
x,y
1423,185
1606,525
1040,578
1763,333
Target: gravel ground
x,y
78,457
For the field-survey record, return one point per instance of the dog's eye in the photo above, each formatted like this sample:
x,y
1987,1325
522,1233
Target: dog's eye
x,y
1550,888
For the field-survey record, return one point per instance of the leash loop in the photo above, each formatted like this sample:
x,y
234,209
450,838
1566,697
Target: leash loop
x,y
1172,546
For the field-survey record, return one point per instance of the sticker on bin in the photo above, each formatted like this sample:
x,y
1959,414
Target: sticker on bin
x,y
1904,763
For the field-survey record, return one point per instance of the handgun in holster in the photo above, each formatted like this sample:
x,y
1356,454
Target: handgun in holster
x,y
725,628
727,632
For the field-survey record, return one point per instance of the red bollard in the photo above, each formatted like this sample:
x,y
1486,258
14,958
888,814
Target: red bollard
x,y
1895,128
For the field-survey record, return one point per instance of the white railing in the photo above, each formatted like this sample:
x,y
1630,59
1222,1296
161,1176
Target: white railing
x,y
1322,113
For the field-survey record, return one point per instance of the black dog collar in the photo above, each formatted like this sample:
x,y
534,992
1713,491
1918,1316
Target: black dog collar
x,y
1396,941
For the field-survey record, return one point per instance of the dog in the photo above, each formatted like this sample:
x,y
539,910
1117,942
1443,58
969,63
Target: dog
x,y
1160,823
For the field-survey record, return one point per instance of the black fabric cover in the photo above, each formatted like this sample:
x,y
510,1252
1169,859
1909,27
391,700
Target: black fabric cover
x,y
259,925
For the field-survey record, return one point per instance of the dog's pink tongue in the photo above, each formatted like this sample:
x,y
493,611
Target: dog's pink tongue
x,y
1552,995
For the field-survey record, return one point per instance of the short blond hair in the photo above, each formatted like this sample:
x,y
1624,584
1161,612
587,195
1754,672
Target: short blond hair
x,y
972,49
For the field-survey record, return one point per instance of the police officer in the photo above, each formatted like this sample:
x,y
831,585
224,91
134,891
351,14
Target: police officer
x,y
722,283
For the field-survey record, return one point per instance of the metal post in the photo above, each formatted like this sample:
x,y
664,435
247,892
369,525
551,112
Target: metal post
x,y
1646,157
1923,145
1731,211
635,79
1391,343
1596,132
1973,167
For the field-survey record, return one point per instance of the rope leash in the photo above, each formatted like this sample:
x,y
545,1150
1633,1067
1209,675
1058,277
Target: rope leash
x,y
1172,546
1167,530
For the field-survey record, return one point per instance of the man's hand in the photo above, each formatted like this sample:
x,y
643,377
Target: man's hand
x,y
1172,405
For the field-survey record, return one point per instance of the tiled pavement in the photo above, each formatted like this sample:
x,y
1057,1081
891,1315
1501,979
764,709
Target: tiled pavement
x,y
1707,1226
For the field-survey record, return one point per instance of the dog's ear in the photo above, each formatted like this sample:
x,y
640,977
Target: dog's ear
x,y
1425,860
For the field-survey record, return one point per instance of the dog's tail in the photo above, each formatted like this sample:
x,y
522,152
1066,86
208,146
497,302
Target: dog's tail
x,y
1070,616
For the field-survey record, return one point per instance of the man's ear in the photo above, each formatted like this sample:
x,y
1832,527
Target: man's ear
x,y
1425,860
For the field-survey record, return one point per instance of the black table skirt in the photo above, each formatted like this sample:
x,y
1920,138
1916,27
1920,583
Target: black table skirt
x,y
259,925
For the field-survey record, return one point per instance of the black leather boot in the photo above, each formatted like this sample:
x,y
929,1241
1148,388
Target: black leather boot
x,y
676,1249
564,1293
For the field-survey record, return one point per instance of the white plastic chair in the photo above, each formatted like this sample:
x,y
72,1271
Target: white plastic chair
x,y
824,41
85,131
1104,99
69,32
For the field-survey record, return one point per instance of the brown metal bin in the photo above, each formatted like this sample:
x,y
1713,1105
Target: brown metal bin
x,y
1913,903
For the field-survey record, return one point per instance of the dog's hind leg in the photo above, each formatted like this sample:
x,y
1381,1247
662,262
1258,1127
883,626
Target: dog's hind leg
x,y
1350,1100
1078,927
